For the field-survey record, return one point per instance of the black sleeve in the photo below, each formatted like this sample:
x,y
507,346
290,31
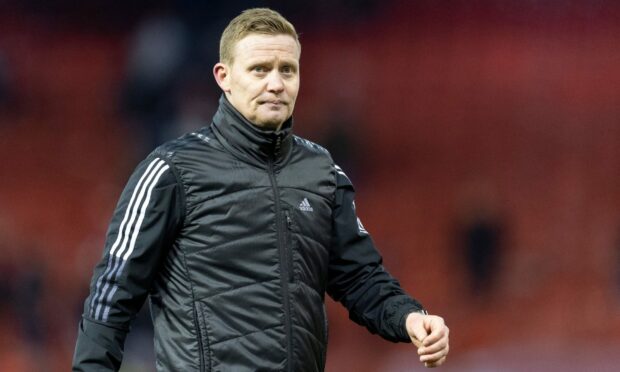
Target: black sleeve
x,y
357,277
143,226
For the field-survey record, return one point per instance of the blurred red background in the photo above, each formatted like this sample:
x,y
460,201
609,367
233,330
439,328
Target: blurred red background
x,y
504,112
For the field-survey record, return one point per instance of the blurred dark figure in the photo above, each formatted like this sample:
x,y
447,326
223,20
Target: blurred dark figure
x,y
157,53
193,101
27,295
341,139
6,267
480,239
21,290
5,89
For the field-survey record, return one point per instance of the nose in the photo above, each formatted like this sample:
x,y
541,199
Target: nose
x,y
275,84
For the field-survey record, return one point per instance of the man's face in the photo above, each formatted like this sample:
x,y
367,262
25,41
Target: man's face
x,y
263,80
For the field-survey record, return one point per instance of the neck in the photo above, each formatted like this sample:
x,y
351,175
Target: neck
x,y
258,144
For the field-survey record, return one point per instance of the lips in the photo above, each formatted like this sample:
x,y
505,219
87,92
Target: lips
x,y
272,102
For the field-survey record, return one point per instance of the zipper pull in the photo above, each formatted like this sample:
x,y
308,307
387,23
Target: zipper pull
x,y
289,221
276,150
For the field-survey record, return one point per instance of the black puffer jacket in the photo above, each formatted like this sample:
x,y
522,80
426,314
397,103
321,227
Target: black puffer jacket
x,y
236,234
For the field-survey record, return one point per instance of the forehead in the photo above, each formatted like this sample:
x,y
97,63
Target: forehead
x,y
261,46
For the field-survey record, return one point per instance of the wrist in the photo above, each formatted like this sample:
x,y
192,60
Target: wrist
x,y
409,317
414,314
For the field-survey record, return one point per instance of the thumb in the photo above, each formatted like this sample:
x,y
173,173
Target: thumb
x,y
415,328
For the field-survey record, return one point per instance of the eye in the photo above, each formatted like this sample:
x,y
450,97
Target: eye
x,y
287,69
259,69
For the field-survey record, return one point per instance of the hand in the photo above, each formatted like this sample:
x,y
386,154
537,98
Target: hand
x,y
429,334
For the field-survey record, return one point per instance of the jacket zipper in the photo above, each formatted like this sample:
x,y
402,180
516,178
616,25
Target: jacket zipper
x,y
200,341
289,243
284,277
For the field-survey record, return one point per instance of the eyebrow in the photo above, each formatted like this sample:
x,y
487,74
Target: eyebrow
x,y
267,59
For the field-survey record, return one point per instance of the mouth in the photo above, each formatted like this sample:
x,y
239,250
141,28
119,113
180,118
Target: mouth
x,y
275,102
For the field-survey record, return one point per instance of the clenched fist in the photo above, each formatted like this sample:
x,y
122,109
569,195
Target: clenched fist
x,y
429,334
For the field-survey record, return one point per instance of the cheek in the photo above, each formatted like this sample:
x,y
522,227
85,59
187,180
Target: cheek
x,y
246,87
293,89
293,98
254,92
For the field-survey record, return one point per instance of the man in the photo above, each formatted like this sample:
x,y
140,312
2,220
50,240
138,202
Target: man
x,y
236,232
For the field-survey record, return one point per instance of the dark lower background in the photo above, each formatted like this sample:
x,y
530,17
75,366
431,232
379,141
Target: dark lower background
x,y
483,138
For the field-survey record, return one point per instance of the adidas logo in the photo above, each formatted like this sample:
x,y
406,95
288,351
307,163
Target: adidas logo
x,y
305,206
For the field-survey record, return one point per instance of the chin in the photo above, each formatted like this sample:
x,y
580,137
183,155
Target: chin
x,y
271,123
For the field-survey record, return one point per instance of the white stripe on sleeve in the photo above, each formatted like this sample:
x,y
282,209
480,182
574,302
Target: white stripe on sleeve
x,y
122,235
132,243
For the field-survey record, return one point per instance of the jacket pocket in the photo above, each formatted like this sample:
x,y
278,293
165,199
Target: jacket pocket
x,y
290,246
203,339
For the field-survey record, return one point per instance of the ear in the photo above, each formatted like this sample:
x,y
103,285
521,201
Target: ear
x,y
221,72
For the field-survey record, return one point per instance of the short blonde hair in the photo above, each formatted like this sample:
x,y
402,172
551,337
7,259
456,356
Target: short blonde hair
x,y
253,21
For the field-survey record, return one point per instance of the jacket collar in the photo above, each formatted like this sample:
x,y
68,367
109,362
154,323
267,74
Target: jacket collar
x,y
240,136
